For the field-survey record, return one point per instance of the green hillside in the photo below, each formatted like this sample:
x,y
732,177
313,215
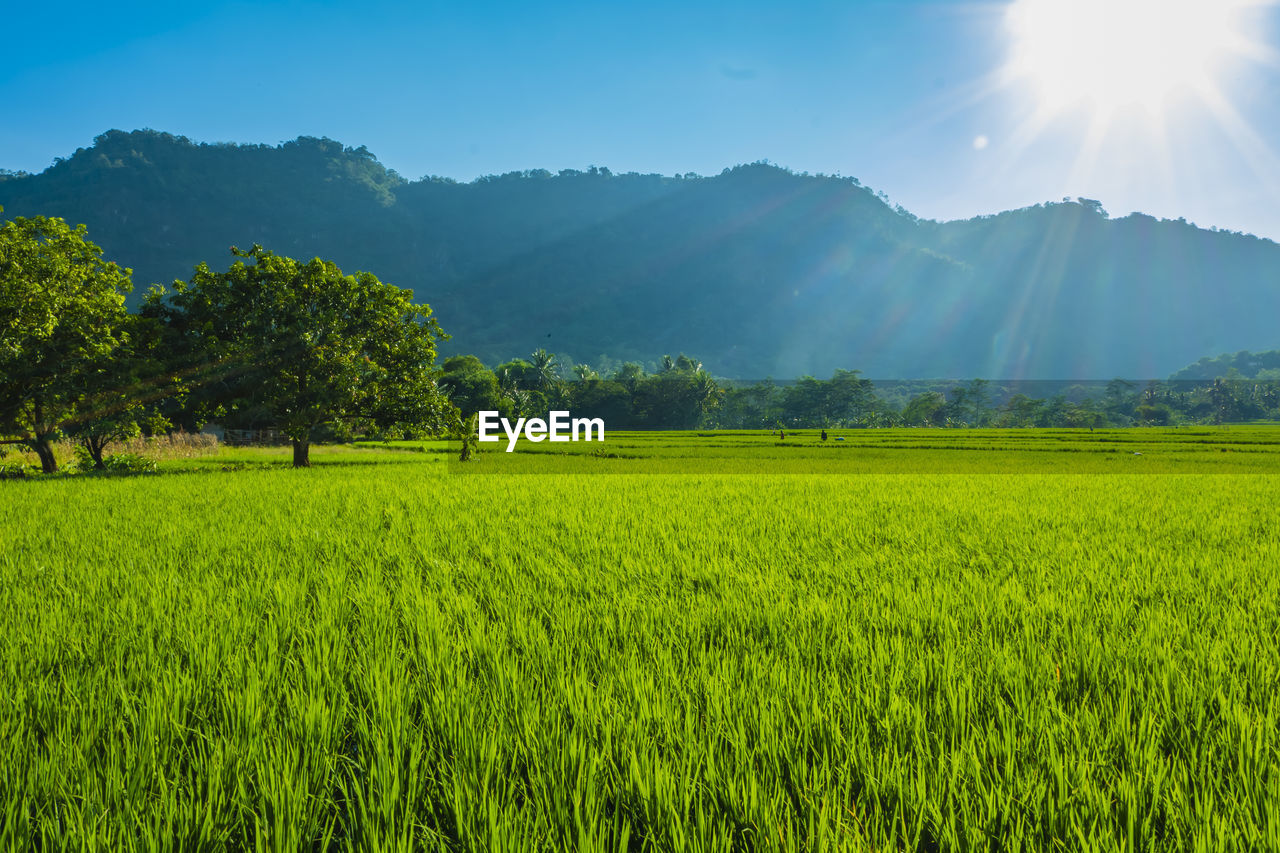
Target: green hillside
x,y
757,270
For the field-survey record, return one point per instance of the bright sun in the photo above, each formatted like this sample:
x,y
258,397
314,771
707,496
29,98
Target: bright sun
x,y
1109,56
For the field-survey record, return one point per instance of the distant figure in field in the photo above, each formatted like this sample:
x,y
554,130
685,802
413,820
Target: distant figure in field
x,y
782,435
824,435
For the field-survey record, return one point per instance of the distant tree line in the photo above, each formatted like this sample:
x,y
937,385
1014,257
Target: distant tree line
x,y
681,394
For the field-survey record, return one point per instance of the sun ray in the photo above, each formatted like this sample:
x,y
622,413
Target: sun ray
x,y
1253,148
1091,147
1124,70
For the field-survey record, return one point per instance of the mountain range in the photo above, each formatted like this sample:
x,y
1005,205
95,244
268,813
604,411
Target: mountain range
x,y
757,271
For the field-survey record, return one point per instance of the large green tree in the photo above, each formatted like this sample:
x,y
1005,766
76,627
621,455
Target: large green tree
x,y
130,393
308,345
470,385
62,320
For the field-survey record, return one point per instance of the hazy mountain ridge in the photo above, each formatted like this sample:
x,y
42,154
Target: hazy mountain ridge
x,y
1244,364
758,271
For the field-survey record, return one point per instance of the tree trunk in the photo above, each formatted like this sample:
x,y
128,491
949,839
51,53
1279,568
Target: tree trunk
x,y
40,442
48,462
95,447
301,453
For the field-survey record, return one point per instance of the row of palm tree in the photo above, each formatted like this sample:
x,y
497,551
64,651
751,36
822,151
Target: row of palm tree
x,y
534,386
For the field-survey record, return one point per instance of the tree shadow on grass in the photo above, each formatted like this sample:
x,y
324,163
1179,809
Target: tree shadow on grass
x,y
208,467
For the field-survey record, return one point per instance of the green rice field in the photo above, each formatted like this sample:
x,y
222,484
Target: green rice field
x,y
917,640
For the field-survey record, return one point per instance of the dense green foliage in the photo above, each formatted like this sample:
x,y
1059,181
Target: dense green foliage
x,y
63,328
760,271
680,394
299,344
304,345
379,654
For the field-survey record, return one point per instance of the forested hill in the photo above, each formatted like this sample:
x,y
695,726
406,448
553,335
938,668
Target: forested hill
x,y
757,271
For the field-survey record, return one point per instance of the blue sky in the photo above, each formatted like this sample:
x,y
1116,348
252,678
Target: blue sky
x,y
912,98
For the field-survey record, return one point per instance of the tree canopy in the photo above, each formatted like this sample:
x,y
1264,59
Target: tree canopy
x,y
307,344
62,322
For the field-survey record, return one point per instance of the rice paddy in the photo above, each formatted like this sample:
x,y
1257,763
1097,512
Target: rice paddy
x,y
908,640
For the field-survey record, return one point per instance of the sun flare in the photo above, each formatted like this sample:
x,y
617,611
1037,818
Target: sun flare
x,y
1108,56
